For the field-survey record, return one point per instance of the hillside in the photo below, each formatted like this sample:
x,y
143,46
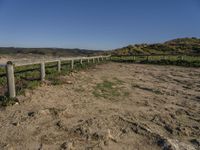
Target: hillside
x,y
176,46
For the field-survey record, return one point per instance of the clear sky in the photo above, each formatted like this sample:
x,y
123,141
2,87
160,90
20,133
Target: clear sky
x,y
96,24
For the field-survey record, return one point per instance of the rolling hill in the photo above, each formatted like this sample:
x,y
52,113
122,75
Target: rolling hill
x,y
176,46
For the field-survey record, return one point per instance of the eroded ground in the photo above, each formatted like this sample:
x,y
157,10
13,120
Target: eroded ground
x,y
111,106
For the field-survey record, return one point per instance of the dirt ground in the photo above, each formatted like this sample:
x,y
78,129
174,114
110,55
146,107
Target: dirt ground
x,y
111,106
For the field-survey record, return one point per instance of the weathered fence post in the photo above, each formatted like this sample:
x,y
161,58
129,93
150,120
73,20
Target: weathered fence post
x,y
182,57
59,65
88,60
147,58
42,71
133,58
98,59
72,64
81,61
93,60
10,79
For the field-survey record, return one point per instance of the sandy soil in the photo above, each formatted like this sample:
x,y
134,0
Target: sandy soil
x,y
3,59
111,106
23,57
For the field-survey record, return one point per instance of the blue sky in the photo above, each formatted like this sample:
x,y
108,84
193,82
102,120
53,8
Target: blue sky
x,y
96,24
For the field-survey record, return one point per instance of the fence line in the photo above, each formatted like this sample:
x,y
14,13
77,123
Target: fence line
x,y
10,68
163,56
194,55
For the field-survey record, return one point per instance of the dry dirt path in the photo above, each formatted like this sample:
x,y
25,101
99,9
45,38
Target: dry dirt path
x,y
111,106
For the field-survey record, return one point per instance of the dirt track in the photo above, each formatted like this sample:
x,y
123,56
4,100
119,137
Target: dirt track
x,y
112,106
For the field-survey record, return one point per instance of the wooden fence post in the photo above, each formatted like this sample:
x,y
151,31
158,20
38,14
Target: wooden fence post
x,y
59,65
93,60
42,71
10,79
133,58
88,60
72,64
182,57
98,59
81,61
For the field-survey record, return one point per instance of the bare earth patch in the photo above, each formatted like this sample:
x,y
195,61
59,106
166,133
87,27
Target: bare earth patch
x,y
112,106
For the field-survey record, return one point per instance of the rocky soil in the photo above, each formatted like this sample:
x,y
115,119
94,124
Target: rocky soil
x,y
110,106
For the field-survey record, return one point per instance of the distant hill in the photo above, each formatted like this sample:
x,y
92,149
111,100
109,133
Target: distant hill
x,y
49,51
176,46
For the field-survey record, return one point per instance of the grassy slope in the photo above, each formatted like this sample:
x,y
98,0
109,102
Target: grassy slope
x,y
177,46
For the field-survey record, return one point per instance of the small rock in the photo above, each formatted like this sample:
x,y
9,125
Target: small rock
x,y
67,146
124,131
97,136
15,123
170,144
114,86
80,120
196,127
17,103
172,116
169,128
40,147
27,94
109,136
72,74
198,97
69,82
31,114
106,142
44,112
196,142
